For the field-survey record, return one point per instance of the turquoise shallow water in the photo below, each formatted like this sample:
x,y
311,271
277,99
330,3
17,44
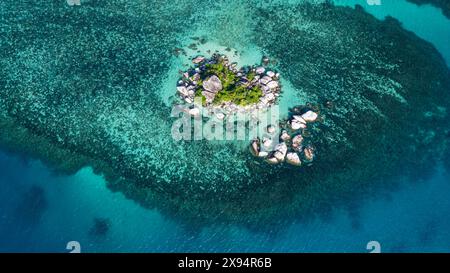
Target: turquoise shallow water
x,y
41,211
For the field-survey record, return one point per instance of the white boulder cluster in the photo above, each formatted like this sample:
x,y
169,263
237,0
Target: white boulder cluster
x,y
299,121
269,83
73,2
196,81
291,147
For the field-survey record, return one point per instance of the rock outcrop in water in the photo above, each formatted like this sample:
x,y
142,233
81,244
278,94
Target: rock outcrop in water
x,y
289,144
98,103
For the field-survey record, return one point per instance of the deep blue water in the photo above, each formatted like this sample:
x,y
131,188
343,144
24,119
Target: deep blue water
x,y
42,211
413,218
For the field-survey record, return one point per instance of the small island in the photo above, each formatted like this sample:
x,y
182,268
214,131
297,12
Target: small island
x,y
219,85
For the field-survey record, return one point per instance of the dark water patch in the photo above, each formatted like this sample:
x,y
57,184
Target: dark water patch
x,y
31,207
354,213
428,232
446,158
100,227
398,247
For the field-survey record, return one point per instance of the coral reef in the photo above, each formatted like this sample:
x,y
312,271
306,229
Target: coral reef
x,y
442,4
80,86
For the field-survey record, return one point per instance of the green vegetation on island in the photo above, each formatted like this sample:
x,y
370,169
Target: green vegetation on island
x,y
239,95
217,82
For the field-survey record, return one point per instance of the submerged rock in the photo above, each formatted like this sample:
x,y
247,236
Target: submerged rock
x,y
297,142
308,154
220,116
254,147
194,112
271,129
198,59
267,142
